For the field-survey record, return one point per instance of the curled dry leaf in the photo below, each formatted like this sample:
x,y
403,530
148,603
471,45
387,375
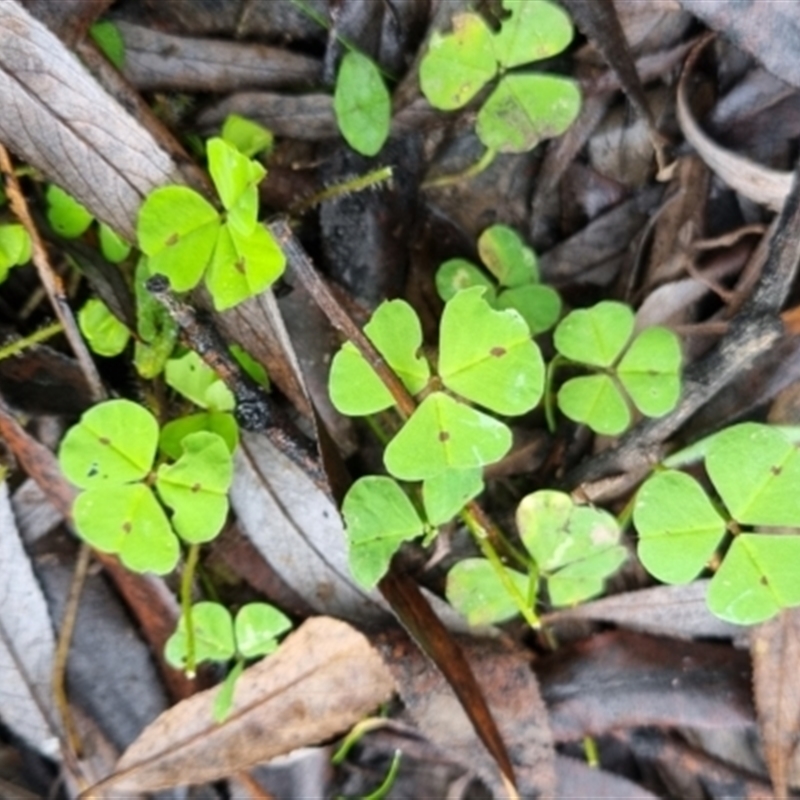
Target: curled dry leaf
x,y
760,184
323,679
58,119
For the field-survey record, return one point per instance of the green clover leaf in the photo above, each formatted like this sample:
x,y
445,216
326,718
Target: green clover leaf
x,y
178,231
396,332
106,335
445,494
445,434
248,137
595,401
487,356
66,216
115,442
457,274
525,109
595,336
362,104
378,518
679,528
457,66
213,636
575,547
195,487
257,627
535,29
756,470
196,381
236,178
476,592
243,265
507,257
757,579
649,371
15,248
127,520
221,423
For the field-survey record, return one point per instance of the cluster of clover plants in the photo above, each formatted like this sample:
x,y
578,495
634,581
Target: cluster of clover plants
x,y
147,492
488,365
523,108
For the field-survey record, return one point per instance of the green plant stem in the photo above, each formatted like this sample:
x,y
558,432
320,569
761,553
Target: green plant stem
x,y
591,752
470,172
359,183
37,337
187,579
354,737
549,395
388,781
481,536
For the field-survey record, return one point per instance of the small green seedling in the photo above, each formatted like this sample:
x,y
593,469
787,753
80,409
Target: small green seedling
x,y
110,454
362,104
524,108
645,367
219,637
755,471
248,137
15,248
486,357
573,550
187,239
515,268
70,219
195,380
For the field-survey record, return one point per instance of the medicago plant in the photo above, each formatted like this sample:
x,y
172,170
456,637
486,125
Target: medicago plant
x,y
486,358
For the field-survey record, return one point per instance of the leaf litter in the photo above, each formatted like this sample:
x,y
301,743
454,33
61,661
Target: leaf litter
x,y
686,248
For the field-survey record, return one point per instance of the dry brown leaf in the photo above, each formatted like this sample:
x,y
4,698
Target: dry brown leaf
x,y
322,680
677,611
760,184
775,649
57,118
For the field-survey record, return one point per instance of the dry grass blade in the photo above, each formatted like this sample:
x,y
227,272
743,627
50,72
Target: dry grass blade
x,y
324,678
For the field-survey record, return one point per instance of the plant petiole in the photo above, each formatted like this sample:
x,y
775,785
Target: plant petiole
x,y
187,579
470,172
481,536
